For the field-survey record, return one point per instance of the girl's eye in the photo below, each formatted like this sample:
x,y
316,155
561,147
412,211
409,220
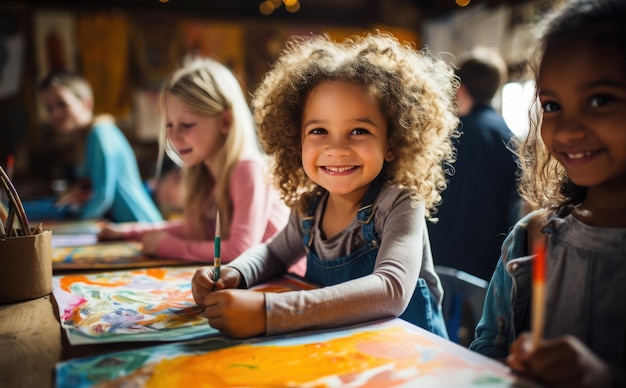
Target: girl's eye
x,y
360,131
187,126
317,131
550,106
600,100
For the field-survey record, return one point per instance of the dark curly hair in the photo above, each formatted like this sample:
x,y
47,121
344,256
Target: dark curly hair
x,y
544,182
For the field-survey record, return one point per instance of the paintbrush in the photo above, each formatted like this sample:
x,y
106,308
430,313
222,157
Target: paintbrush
x,y
216,249
539,292
14,199
10,165
2,228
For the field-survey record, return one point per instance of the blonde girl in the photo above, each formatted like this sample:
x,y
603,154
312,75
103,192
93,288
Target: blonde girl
x,y
209,130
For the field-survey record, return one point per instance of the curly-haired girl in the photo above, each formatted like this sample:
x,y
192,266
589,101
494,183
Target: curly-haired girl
x,y
358,131
574,171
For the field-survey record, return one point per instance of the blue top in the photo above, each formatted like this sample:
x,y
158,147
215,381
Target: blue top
x,y
481,202
585,288
110,167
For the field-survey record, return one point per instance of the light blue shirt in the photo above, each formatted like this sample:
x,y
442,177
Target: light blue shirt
x,y
111,167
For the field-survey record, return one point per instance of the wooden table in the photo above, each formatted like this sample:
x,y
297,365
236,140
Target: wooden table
x,y
30,343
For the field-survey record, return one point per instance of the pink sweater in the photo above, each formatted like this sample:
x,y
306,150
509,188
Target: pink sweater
x,y
258,213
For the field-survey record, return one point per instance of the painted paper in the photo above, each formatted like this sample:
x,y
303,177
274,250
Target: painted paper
x,y
148,304
392,353
105,255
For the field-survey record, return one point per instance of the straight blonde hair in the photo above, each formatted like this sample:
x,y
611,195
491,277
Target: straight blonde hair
x,y
208,88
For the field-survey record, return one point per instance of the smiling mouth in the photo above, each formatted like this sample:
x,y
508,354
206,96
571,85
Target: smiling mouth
x,y
579,155
339,170
184,152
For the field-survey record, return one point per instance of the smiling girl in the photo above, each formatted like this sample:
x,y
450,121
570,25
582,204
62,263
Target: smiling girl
x,y
574,165
358,131
209,130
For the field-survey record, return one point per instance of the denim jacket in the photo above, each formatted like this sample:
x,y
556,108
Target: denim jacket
x,y
507,304
585,288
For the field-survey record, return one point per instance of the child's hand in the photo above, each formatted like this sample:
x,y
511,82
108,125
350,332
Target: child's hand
x,y
151,241
110,232
236,313
202,282
561,362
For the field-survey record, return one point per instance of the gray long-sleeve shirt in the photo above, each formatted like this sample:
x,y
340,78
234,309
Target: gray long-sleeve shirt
x,y
403,257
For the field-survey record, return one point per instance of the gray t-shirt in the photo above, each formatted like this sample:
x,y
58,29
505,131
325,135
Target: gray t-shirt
x,y
404,256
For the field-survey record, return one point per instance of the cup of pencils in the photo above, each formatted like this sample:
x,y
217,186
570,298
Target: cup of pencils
x,y
25,252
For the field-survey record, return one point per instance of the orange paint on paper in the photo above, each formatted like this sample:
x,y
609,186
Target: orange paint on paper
x,y
67,281
331,363
381,356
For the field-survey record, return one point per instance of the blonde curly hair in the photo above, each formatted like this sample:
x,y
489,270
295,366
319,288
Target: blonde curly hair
x,y
416,92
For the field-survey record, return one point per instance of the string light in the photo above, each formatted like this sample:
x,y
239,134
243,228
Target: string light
x,y
462,3
268,6
295,7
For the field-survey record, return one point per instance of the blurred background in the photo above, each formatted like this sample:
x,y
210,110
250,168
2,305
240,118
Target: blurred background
x,y
126,48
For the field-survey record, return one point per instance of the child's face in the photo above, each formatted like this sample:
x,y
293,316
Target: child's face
x,y
66,112
197,138
582,88
344,138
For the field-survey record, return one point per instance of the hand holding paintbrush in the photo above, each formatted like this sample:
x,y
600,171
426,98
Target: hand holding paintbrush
x,y
524,346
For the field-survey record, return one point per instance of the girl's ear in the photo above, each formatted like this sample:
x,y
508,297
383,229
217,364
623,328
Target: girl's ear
x,y
389,154
226,121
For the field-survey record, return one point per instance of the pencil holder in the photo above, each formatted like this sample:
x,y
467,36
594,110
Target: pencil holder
x,y
26,267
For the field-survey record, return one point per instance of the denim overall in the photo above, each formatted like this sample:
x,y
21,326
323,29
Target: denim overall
x,y
423,310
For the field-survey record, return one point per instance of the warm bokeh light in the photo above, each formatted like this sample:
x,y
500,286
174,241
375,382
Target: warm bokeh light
x,y
462,3
293,8
266,8
164,1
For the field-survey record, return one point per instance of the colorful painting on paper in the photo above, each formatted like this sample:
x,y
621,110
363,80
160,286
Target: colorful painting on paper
x,y
153,304
392,353
150,304
106,255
